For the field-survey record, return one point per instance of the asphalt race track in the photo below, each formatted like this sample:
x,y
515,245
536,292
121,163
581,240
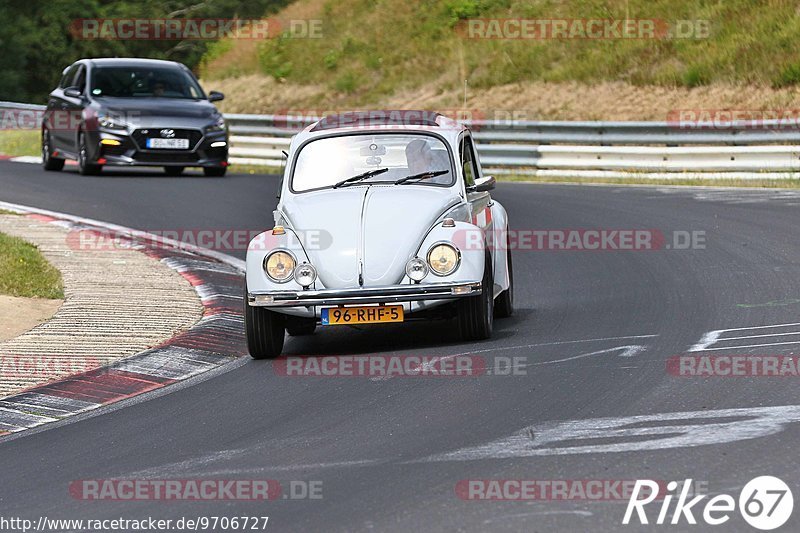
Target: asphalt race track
x,y
594,329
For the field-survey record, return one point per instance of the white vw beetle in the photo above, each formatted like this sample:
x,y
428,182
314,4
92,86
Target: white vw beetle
x,y
384,216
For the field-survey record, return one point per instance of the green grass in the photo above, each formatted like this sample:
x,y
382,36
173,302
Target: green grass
x,y
25,272
20,142
6,212
371,48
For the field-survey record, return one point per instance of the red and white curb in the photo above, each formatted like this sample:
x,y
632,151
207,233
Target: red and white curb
x,y
35,159
215,340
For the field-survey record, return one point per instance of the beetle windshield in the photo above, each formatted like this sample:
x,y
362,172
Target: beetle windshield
x,y
327,161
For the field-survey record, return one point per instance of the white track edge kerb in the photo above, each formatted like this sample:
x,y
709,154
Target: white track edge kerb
x,y
225,258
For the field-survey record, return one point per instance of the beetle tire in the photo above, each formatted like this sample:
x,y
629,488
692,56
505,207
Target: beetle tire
x,y
476,313
298,326
265,331
504,304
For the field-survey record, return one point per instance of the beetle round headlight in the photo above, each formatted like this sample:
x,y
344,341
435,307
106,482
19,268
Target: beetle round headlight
x,y
279,266
416,269
305,274
443,258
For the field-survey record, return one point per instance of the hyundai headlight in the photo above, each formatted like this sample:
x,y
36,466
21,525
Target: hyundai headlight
x,y
111,122
443,258
218,125
279,266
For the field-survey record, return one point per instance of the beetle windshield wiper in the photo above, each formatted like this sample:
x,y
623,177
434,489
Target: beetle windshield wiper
x,y
360,177
421,176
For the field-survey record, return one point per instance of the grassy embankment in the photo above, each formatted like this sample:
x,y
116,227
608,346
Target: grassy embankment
x,y
371,51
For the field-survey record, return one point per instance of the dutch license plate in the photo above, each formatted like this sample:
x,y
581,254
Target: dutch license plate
x,y
174,144
333,316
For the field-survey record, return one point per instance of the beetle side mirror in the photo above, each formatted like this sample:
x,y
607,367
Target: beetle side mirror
x,y
484,184
73,92
215,96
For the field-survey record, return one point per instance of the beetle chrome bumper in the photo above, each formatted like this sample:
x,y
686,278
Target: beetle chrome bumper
x,y
365,295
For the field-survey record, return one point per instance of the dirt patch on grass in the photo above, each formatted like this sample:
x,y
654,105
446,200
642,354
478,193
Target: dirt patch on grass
x,y
18,315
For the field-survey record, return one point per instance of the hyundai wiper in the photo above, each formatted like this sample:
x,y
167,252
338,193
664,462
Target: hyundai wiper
x,y
421,176
360,177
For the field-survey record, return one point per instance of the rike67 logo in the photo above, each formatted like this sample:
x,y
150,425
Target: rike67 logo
x,y
765,503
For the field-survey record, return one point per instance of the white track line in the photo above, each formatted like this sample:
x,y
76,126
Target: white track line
x,y
714,337
760,327
627,351
747,346
758,336
556,343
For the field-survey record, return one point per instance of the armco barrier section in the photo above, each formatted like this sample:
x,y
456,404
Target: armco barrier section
x,y
740,150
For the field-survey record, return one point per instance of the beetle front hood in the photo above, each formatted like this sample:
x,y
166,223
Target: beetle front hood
x,y
379,227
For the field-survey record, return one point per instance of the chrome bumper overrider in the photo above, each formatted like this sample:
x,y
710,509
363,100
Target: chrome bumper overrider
x,y
364,295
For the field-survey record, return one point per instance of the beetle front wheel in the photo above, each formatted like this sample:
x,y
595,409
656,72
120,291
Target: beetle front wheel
x,y
476,313
265,331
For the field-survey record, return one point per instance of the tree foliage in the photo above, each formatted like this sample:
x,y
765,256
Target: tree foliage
x,y
36,43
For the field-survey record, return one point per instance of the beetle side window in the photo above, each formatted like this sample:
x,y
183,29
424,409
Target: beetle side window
x,y
468,162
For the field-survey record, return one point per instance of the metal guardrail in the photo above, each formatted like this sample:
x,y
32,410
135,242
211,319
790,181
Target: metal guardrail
x,y
764,149
661,150
17,105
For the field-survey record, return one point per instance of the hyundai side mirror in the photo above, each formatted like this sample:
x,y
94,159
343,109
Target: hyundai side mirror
x,y
215,96
73,92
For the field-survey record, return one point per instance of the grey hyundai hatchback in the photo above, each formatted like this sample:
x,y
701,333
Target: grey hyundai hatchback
x,y
133,112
